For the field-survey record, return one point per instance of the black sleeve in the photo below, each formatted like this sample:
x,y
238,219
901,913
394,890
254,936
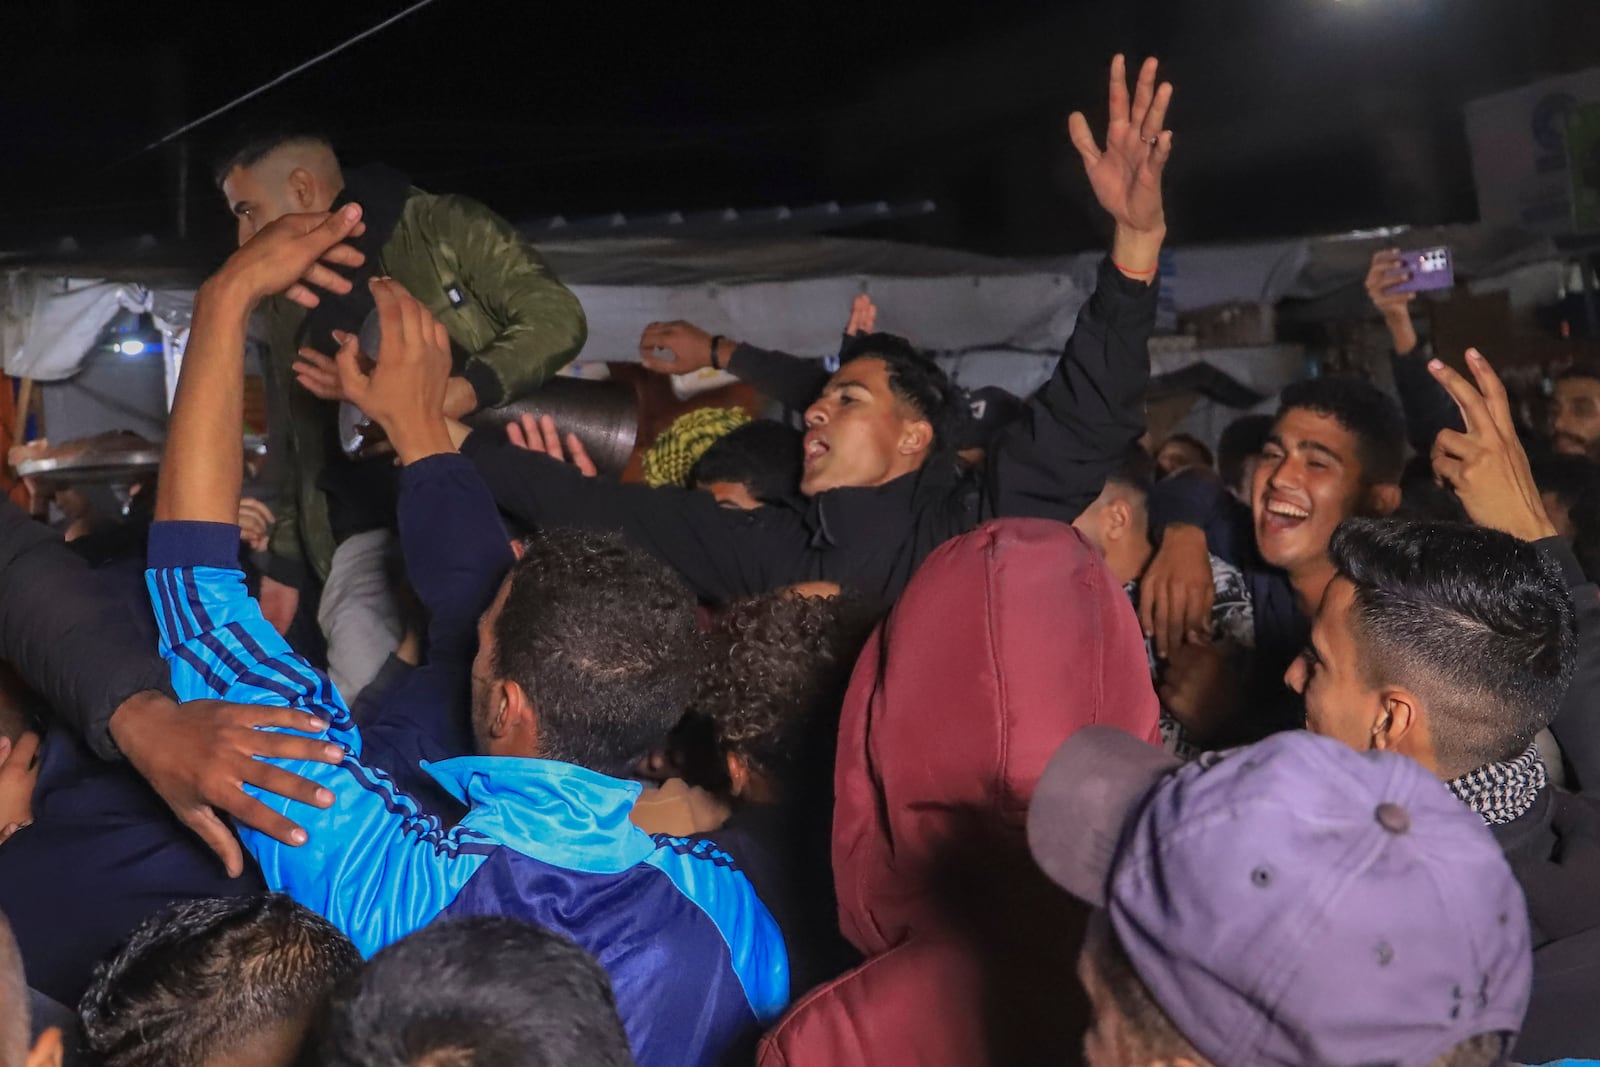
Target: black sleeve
x,y
69,638
721,554
1577,722
1052,460
1194,496
1428,408
793,381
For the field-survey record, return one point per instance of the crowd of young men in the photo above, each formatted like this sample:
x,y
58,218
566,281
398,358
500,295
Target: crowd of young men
x,y
959,737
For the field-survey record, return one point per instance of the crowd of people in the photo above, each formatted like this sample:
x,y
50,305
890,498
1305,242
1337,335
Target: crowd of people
x,y
905,726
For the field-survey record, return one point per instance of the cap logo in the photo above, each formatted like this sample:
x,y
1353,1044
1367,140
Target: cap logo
x,y
1393,818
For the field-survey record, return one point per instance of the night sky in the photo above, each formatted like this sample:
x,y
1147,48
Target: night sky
x,y
1292,116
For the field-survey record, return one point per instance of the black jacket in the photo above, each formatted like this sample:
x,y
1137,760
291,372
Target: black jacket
x,y
1554,850
1050,462
70,638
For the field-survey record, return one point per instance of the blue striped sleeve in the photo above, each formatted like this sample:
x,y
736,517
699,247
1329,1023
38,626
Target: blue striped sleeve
x,y
375,865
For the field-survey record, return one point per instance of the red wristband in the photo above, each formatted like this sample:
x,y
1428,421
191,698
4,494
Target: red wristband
x,y
1127,270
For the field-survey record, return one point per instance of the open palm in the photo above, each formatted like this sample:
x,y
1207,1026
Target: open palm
x,y
1126,173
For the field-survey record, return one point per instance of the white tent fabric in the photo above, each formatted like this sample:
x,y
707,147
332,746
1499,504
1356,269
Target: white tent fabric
x,y
794,293
48,325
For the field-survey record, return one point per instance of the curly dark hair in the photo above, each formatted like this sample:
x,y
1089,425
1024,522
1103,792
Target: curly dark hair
x,y
205,976
604,640
776,677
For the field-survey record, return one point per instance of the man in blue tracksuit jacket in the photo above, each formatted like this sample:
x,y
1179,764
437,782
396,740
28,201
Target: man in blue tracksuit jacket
x,y
696,960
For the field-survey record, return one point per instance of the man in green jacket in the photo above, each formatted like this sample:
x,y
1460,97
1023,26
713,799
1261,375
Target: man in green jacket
x,y
512,325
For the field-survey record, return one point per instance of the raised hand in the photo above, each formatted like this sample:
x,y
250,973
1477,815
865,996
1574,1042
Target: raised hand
x,y
1126,173
1486,465
863,316
1386,272
540,435
295,254
405,390
675,347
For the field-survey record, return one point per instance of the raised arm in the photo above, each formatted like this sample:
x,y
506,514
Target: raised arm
x,y
1052,461
683,348
359,864
793,381
1428,408
456,548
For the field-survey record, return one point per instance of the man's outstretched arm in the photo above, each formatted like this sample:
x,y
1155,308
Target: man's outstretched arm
x,y
1052,461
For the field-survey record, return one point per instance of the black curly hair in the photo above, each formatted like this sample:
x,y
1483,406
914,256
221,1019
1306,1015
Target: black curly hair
x,y
776,677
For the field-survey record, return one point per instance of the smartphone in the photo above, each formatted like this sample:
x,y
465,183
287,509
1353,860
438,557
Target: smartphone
x,y
1430,269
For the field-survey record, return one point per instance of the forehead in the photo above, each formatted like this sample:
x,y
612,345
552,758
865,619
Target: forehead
x,y
1574,388
1302,426
867,373
242,183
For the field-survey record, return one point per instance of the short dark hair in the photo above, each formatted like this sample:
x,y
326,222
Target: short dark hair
x,y
1474,620
1366,412
916,380
1136,470
764,456
775,680
486,990
251,144
1241,439
1154,1036
207,975
604,640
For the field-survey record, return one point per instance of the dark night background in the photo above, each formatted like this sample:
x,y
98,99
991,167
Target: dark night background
x,y
1291,116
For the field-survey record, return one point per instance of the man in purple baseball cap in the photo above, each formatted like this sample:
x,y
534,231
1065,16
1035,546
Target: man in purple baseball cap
x,y
1292,903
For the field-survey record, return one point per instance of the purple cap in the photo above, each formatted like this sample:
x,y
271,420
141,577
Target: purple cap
x,y
1291,902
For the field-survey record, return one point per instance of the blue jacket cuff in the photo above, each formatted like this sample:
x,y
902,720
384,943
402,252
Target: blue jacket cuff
x,y
194,544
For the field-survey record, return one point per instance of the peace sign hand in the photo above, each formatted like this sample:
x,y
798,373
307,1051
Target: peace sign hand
x,y
1487,466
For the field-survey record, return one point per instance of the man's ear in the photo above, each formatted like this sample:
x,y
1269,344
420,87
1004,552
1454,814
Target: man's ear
x,y
1119,519
1382,500
738,774
1397,728
302,189
516,711
47,1051
917,437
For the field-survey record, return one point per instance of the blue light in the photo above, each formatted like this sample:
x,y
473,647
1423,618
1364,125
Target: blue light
x,y
131,348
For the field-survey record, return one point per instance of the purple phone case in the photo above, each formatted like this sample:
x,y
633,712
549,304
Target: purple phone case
x,y
1430,269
